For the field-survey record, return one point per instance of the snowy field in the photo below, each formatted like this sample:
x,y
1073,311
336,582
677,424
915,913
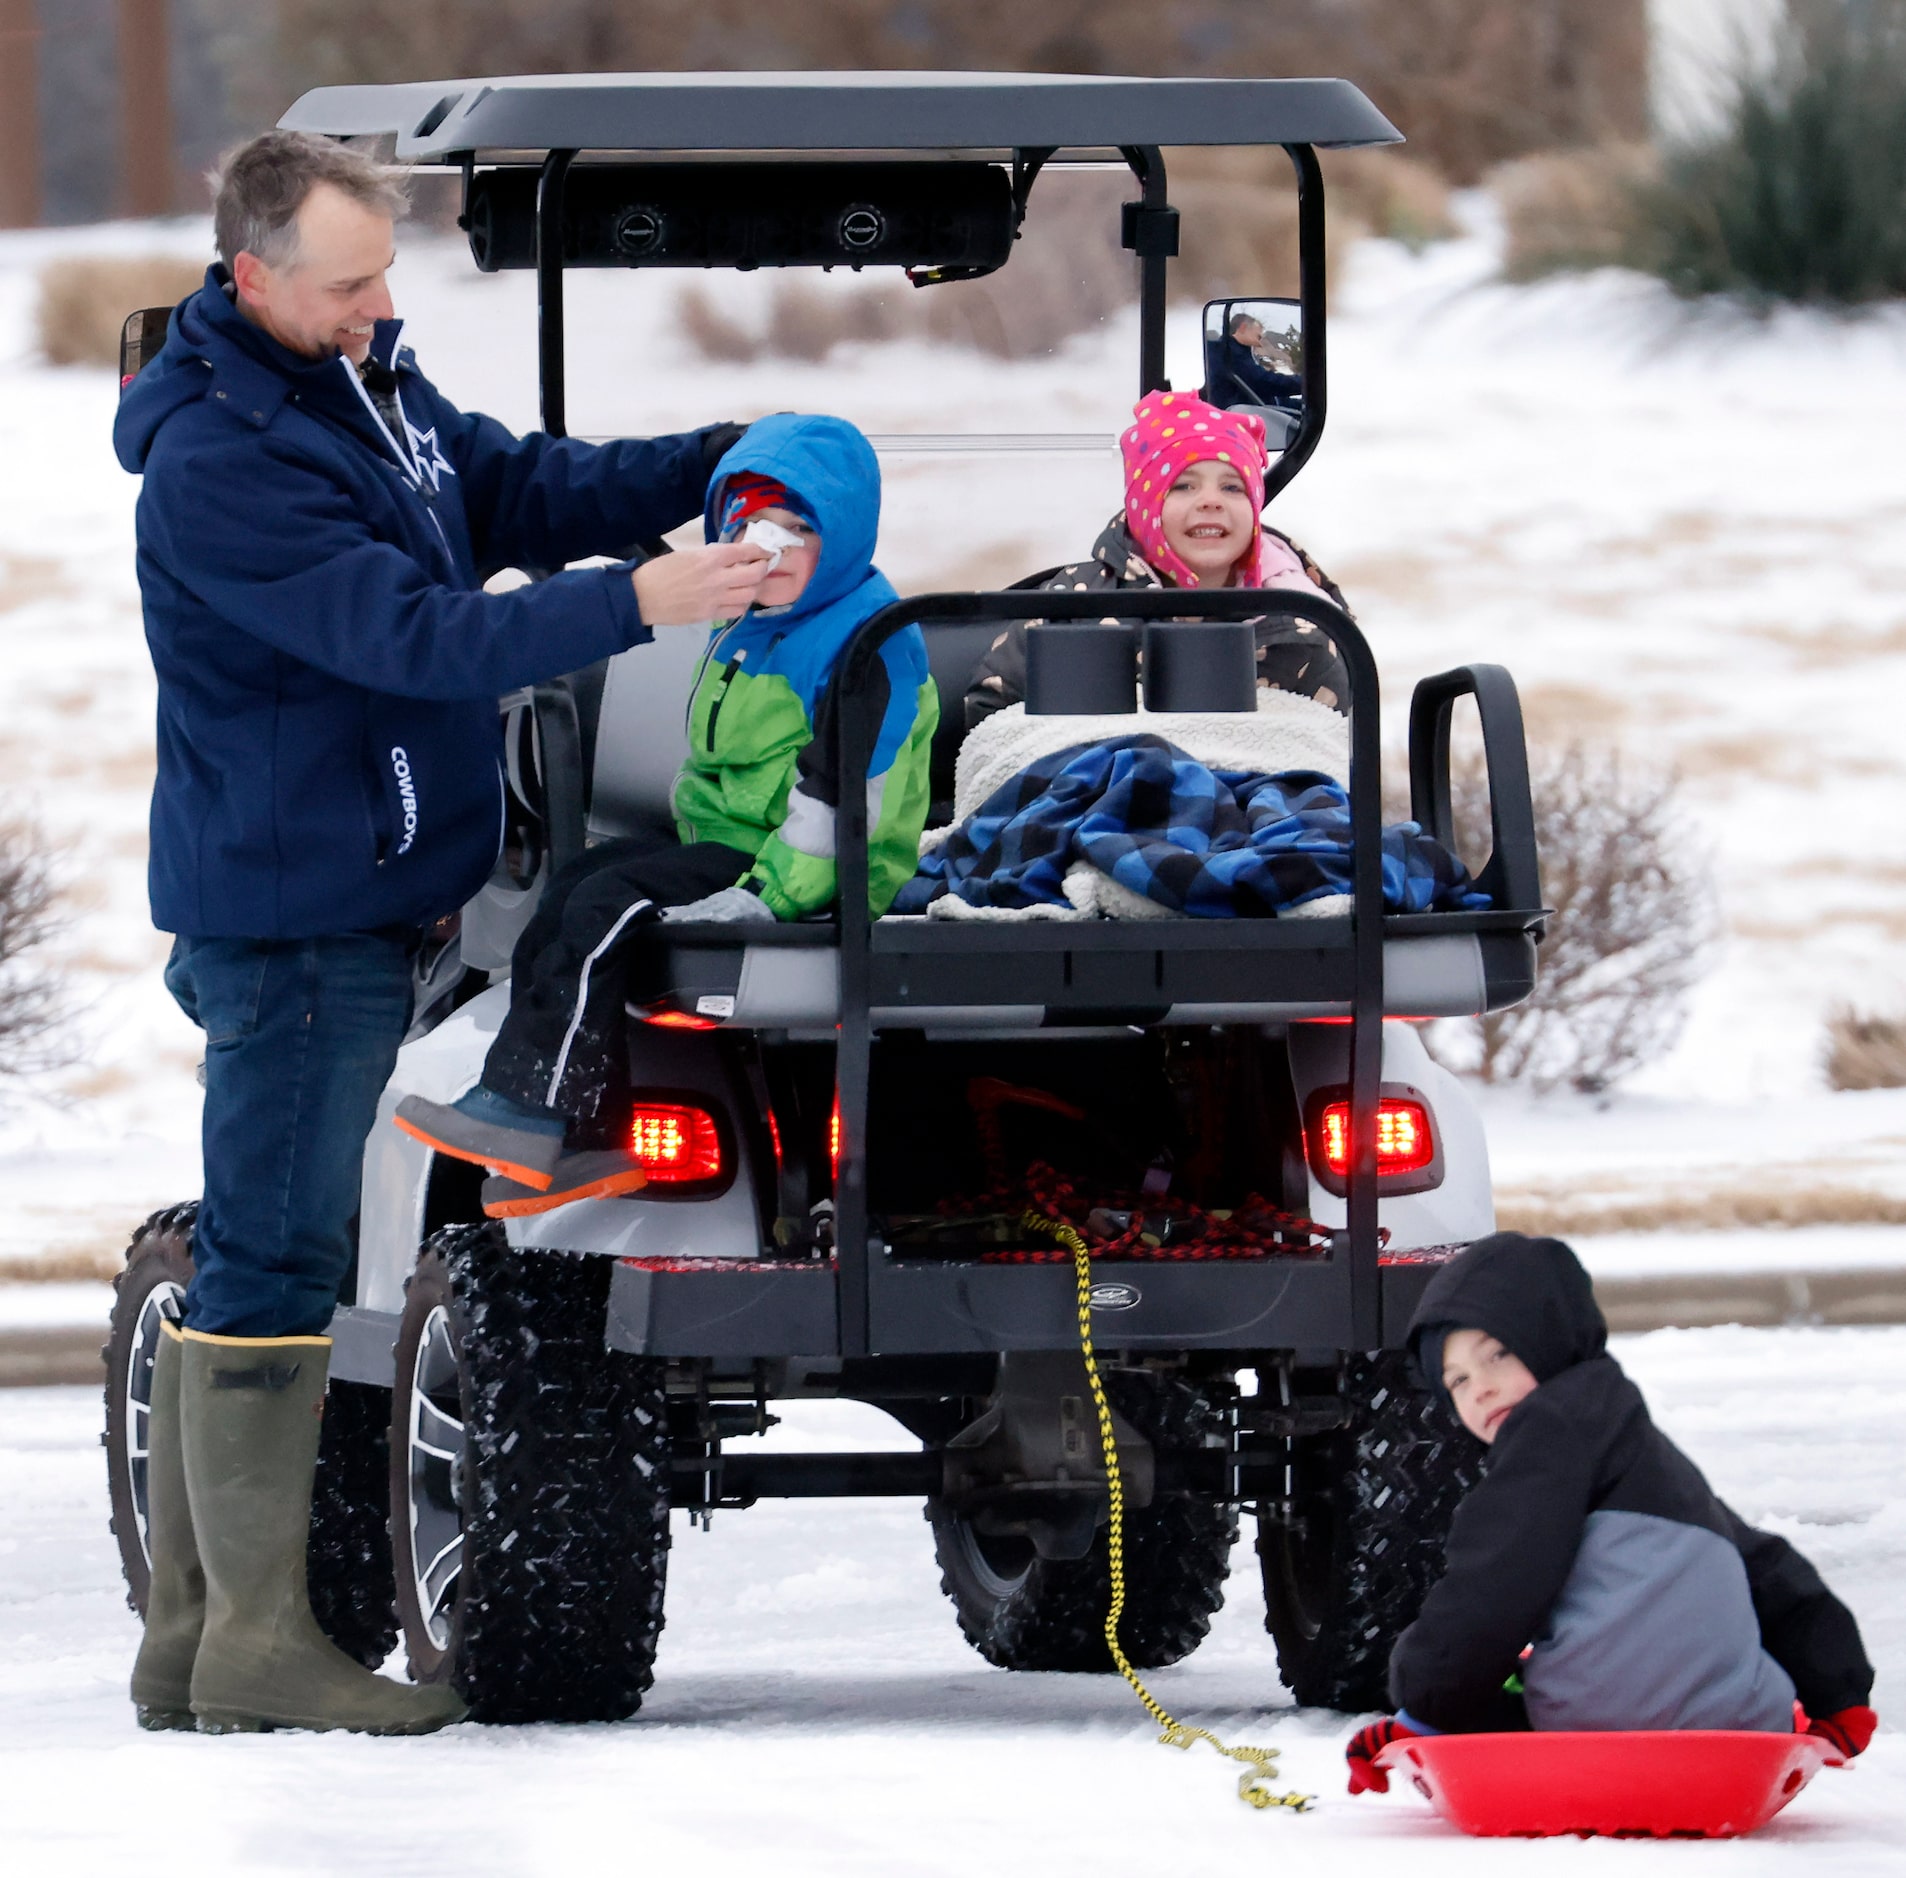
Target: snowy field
x,y
1687,536
815,1711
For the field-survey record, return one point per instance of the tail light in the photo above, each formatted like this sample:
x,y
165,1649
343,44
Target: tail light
x,y
833,1139
1409,1154
1404,1144
676,1143
665,1016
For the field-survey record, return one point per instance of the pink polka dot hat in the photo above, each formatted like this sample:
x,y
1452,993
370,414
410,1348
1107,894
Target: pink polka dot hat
x,y
1172,429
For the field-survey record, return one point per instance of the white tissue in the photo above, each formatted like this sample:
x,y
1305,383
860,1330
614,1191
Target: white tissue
x,y
771,537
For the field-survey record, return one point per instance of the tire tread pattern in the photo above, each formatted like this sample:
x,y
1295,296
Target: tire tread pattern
x,y
565,1489
348,1570
1177,1557
1394,1481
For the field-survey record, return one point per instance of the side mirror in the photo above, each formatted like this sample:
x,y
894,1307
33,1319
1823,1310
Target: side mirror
x,y
140,341
1254,361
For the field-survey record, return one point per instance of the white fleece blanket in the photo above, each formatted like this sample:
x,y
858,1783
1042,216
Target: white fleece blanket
x,y
1286,732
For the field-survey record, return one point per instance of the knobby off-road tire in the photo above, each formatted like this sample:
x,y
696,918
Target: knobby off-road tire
x,y
347,1563
1372,1507
542,1458
149,1289
1024,1612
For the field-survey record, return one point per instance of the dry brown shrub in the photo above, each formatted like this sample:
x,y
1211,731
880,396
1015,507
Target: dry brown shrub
x,y
1719,1209
805,323
1237,237
1629,938
26,578
1864,1050
713,331
1066,274
1237,226
32,996
1401,197
1571,209
85,298
64,1268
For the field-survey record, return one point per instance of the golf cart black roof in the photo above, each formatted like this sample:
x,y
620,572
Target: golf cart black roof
x,y
976,112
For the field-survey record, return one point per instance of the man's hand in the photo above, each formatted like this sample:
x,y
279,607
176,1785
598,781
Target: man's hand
x,y
1849,1731
717,441
697,585
1365,1745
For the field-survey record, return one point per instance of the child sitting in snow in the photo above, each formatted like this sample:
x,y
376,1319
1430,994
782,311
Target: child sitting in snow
x,y
1593,1580
754,816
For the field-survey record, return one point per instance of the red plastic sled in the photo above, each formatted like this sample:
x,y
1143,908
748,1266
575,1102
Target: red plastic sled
x,y
1697,1783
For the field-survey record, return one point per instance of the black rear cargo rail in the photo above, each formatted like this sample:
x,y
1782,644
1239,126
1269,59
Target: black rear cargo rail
x,y
1511,876
861,1260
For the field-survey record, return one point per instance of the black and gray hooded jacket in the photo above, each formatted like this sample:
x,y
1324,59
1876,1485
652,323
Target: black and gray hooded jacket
x,y
1593,1539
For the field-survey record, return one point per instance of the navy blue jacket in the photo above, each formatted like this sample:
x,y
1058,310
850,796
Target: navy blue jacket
x,y
1280,390
329,752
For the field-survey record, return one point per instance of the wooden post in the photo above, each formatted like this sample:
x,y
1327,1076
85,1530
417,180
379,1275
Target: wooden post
x,y
145,108
19,114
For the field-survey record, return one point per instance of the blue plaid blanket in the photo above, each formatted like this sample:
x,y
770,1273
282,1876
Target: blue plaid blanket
x,y
1218,844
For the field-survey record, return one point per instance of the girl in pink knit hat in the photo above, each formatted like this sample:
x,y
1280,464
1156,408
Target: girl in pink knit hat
x,y
1194,500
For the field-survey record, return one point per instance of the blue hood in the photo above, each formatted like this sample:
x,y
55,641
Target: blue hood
x,y
832,467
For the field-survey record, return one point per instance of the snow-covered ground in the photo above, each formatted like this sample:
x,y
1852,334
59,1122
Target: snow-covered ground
x,y
1685,536
815,1711
1682,534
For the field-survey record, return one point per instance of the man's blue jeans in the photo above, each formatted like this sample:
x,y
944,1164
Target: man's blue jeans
x,y
301,1036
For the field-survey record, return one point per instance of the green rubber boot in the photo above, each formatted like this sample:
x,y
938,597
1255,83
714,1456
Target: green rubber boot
x,y
175,1603
250,1410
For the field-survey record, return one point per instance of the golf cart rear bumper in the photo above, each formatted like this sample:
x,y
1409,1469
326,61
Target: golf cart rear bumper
x,y
917,1308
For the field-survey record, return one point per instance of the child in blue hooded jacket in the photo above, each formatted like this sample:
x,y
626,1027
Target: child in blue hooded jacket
x,y
754,807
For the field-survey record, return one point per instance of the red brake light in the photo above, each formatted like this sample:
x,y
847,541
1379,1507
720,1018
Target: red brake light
x,y
833,1139
1405,1144
666,1017
675,1142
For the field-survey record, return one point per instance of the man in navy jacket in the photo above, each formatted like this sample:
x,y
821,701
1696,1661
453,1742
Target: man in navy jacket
x,y
314,532
1251,379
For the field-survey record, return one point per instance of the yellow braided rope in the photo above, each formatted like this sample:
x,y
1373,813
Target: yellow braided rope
x,y
1261,1763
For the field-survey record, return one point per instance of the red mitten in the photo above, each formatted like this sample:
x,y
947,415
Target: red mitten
x,y
1365,1745
1849,1731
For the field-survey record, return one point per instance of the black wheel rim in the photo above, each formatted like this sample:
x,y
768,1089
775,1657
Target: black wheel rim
x,y
434,1479
1302,1551
162,1304
998,1566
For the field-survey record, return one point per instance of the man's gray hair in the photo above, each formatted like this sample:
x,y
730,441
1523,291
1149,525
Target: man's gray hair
x,y
258,189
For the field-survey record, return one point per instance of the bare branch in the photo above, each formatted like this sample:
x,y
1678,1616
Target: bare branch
x,y
33,1002
1632,932
1864,1050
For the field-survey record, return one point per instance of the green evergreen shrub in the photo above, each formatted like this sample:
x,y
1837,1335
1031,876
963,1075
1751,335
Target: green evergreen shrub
x,y
1800,193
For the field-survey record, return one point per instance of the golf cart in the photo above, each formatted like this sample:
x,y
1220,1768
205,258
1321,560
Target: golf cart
x,y
847,1122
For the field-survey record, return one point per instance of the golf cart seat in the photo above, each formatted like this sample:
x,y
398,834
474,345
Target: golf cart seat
x,y
592,757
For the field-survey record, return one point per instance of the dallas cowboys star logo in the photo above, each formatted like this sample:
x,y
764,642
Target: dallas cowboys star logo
x,y
428,454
